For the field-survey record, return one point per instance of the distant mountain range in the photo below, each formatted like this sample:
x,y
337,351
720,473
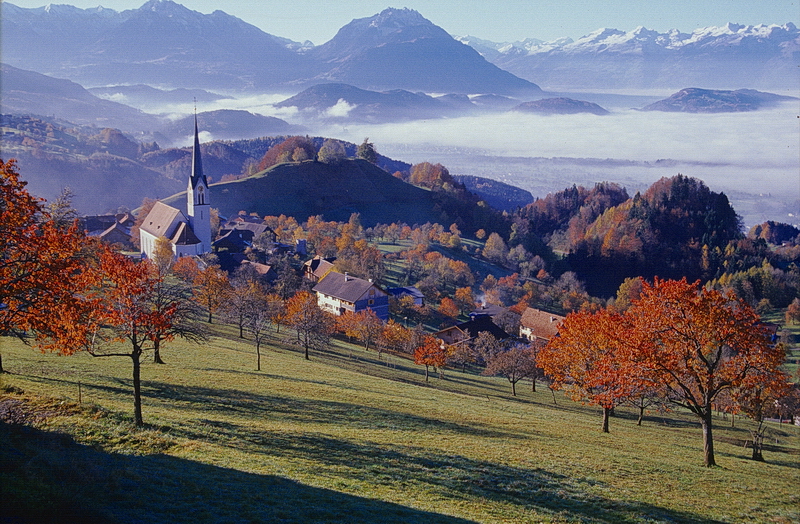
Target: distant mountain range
x,y
164,43
732,56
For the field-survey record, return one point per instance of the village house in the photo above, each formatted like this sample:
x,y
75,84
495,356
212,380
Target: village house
x,y
339,293
408,291
466,331
315,269
189,234
537,324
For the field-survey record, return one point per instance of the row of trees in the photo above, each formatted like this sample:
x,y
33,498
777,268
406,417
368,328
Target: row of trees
x,y
690,345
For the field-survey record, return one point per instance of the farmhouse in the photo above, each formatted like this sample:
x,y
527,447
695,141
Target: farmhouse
x,y
339,293
408,291
316,268
466,331
537,324
188,234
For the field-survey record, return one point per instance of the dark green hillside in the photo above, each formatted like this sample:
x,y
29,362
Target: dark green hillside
x,y
335,191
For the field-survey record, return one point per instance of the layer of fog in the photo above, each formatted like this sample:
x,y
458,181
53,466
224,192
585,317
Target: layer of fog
x,y
754,157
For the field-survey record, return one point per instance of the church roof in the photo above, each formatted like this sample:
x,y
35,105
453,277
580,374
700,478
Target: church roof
x,y
184,236
160,218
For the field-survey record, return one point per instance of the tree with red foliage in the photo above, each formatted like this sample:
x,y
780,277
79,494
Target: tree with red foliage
x,y
43,263
587,359
702,342
431,352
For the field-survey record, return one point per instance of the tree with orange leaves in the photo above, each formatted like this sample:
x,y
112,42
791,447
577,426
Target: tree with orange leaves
x,y
211,289
587,359
702,342
312,324
363,325
42,261
431,353
116,316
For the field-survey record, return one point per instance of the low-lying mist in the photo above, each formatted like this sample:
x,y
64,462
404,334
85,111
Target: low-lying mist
x,y
754,157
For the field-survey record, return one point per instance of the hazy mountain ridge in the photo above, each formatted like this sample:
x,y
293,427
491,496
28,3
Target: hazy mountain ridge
x,y
560,106
164,43
695,100
756,56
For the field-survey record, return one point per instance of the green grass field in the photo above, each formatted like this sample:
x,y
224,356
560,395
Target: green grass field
x,y
352,439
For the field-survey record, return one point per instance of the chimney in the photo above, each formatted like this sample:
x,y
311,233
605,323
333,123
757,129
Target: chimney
x,y
346,276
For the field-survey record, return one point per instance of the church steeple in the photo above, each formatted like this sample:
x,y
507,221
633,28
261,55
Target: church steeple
x,y
197,163
198,204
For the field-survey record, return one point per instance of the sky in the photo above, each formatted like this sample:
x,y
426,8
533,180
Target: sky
x,y
503,21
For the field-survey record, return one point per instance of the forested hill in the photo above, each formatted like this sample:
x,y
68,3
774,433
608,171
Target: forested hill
x,y
336,190
677,228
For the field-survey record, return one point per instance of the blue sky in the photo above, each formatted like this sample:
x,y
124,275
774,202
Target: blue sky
x,y
506,20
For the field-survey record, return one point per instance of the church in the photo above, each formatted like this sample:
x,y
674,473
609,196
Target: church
x,y
189,234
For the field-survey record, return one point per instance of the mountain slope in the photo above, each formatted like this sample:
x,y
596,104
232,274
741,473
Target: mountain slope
x,y
27,92
161,42
398,48
732,56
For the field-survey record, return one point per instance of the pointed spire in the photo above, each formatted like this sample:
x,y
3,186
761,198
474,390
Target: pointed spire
x,y
197,164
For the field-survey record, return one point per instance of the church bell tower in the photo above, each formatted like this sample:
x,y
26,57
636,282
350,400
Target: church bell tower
x,y
198,204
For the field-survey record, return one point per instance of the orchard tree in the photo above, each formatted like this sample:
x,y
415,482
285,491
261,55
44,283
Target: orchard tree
x,y
211,289
43,264
588,360
115,317
258,313
431,352
514,364
701,342
312,324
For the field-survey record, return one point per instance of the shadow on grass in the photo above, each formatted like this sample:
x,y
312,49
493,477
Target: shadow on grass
x,y
449,476
48,477
252,405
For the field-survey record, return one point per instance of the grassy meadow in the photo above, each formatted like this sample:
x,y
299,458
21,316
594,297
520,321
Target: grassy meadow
x,y
347,438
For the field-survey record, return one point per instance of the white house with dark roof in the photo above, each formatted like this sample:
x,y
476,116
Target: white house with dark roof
x,y
339,293
189,234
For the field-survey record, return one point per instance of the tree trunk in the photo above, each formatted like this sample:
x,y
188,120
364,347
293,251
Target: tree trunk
x,y
758,442
708,440
426,372
137,388
1,364
157,352
533,385
606,415
258,356
553,391
641,416
514,389
209,316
